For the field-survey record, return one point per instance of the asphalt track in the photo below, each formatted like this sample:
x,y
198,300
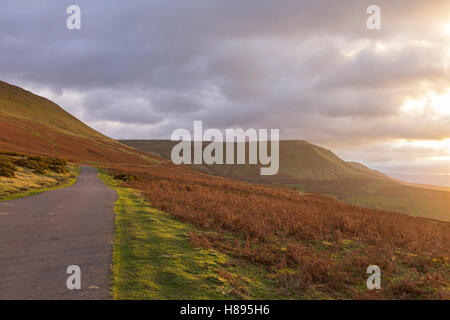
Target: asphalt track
x,y
41,235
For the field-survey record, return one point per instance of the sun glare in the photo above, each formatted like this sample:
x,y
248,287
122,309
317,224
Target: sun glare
x,y
433,104
432,144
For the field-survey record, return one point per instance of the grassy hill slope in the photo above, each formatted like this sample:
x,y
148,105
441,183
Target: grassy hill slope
x,y
35,125
310,168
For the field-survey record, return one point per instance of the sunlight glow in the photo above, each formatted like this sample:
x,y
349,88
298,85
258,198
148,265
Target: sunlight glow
x,y
432,104
442,146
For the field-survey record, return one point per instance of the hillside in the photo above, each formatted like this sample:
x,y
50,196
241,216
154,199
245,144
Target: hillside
x,y
299,159
35,125
310,168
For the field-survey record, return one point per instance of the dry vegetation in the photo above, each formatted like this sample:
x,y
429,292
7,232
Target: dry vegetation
x,y
22,174
314,246
9,161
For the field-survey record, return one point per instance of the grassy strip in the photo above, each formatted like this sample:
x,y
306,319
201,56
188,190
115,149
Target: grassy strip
x,y
154,259
66,180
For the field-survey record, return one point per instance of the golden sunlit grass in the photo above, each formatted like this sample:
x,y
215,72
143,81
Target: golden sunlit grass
x,y
26,178
27,182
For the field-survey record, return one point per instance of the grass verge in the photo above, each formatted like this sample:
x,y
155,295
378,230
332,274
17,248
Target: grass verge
x,y
26,182
153,258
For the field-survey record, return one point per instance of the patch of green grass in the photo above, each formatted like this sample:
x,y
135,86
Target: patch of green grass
x,y
154,259
379,202
434,208
27,183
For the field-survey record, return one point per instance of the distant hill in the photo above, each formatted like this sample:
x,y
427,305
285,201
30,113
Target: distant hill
x,y
33,124
311,168
299,159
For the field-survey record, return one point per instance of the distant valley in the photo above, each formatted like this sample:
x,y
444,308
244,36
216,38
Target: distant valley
x,y
311,168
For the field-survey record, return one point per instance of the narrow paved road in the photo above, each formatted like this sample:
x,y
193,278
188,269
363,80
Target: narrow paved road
x,y
41,235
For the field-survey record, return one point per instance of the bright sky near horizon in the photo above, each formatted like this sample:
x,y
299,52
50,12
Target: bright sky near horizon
x,y
140,69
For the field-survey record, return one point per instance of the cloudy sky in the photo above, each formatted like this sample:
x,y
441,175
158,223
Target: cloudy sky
x,y
140,69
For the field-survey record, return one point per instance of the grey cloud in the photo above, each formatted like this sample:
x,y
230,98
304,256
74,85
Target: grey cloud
x,y
121,107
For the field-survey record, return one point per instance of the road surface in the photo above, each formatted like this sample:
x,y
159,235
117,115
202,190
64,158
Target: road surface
x,y
41,235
